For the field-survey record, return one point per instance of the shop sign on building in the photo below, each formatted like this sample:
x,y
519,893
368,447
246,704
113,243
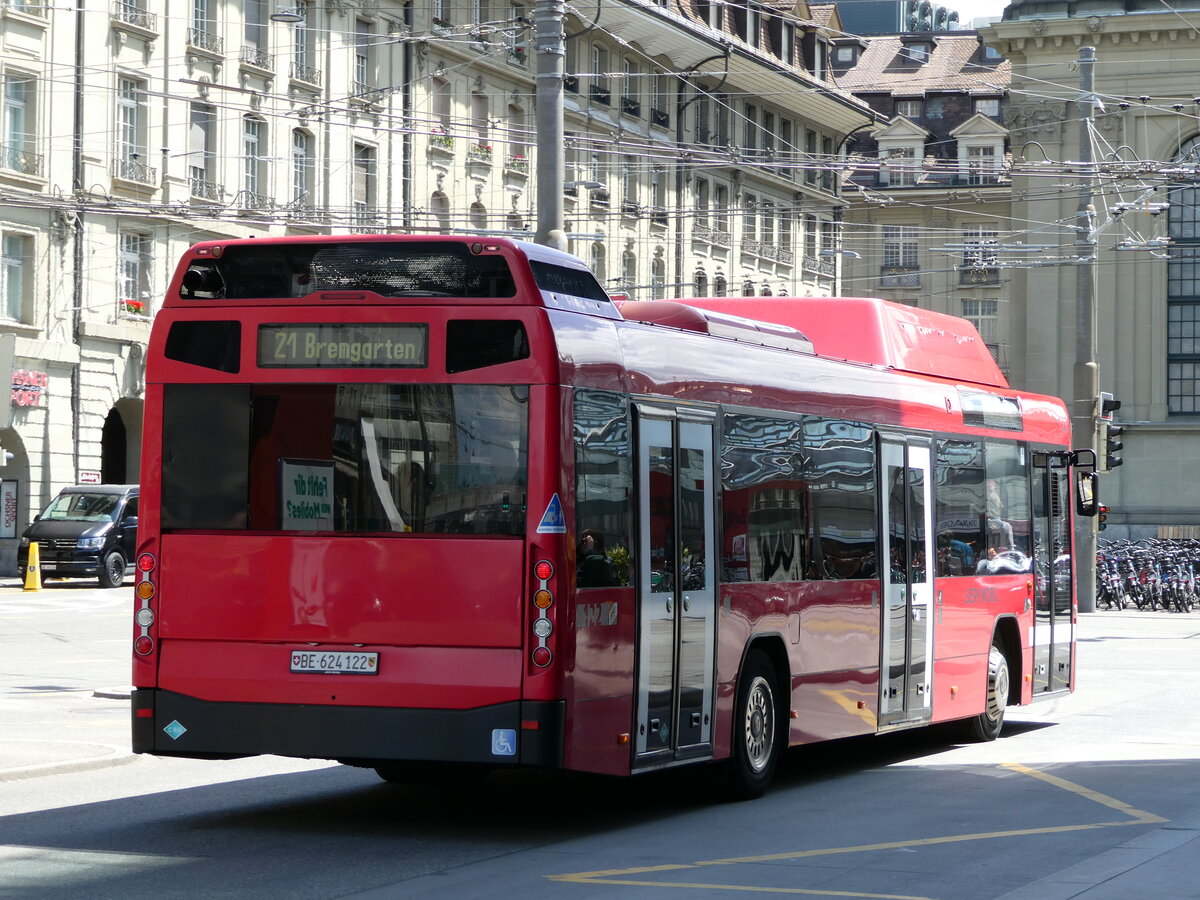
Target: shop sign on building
x,y
8,509
29,388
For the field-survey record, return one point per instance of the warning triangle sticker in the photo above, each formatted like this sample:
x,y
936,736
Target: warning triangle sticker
x,y
553,521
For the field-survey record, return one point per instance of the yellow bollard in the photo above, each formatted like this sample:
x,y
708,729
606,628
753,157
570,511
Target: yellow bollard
x,y
33,569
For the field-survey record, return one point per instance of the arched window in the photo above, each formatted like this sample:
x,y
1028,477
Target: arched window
x,y
720,287
658,278
701,280
597,262
439,205
628,270
478,216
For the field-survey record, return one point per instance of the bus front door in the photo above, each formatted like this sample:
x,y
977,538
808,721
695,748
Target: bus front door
x,y
1053,629
905,681
676,588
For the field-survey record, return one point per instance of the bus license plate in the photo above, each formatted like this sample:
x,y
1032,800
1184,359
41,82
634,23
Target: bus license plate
x,y
335,662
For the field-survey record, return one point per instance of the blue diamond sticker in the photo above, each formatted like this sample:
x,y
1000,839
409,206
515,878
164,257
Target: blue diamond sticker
x,y
175,730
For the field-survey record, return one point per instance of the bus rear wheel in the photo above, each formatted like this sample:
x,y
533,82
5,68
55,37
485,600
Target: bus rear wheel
x,y
986,726
757,737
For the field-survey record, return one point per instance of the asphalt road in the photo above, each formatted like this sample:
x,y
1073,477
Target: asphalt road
x,y
1094,796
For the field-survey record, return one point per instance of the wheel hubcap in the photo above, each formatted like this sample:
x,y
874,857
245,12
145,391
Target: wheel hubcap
x,y
760,724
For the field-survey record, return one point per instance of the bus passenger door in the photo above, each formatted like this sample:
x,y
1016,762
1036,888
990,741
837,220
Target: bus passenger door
x,y
676,589
905,682
1053,630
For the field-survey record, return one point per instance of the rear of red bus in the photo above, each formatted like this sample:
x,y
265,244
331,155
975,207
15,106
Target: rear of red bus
x,y
348,549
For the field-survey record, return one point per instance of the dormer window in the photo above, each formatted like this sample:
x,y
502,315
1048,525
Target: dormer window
x,y
988,106
918,53
910,109
845,55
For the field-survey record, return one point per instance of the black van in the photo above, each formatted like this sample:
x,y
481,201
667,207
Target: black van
x,y
87,530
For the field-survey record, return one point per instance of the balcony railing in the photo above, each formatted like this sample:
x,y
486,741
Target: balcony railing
x,y
900,276
631,106
658,215
307,74
204,189
601,95
128,13
204,39
254,200
660,117
134,170
20,159
480,153
258,57
978,275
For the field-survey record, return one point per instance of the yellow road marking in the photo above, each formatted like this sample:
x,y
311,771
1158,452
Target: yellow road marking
x,y
608,876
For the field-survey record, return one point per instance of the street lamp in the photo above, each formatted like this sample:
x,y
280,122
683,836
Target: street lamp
x,y
289,14
586,185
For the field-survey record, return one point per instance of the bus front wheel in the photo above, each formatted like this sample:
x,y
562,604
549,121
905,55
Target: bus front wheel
x,y
757,738
986,726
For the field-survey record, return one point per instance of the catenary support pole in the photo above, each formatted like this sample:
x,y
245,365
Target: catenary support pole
x,y
1087,376
548,23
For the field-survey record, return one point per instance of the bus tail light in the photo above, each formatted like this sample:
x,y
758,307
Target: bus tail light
x,y
543,599
144,591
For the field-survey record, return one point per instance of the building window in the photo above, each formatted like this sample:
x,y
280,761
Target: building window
x,y
899,167
979,255
701,187
133,273
14,256
900,246
845,55
749,218
658,278
629,270
254,163
17,151
918,53
721,207
364,76
981,165
131,130
629,186
515,36
304,46
201,178
439,205
365,170
303,168
631,88
1183,292
701,280
750,129
910,109
984,315
988,106
601,90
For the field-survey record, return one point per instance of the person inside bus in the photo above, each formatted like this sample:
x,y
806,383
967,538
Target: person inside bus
x,y
593,568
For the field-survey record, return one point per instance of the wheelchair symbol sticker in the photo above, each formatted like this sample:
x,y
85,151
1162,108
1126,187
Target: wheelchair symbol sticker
x,y
504,742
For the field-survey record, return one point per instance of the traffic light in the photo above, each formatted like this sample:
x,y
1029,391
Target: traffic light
x,y
1111,433
1101,518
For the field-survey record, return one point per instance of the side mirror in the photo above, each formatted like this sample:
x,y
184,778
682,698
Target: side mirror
x,y
1087,493
130,522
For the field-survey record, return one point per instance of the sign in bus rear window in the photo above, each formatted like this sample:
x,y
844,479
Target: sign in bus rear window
x,y
326,345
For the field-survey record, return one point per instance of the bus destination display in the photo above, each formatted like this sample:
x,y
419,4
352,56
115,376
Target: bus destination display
x,y
329,345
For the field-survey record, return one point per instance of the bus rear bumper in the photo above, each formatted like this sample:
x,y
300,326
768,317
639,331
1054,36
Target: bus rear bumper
x,y
520,732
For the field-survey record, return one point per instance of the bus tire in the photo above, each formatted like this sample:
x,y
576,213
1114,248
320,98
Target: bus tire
x,y
112,570
986,726
757,736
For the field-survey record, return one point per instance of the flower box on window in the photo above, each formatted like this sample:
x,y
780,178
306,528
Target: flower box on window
x,y
133,307
480,153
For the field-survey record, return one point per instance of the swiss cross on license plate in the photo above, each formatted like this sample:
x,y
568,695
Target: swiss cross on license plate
x,y
335,662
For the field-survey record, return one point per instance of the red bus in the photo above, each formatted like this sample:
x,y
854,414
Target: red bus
x,y
410,502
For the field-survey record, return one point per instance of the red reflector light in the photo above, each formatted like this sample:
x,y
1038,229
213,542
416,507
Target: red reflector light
x,y
145,714
530,725
143,645
145,562
543,570
542,656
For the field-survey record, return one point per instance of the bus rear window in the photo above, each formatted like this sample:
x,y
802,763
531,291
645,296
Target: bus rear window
x,y
346,458
388,268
